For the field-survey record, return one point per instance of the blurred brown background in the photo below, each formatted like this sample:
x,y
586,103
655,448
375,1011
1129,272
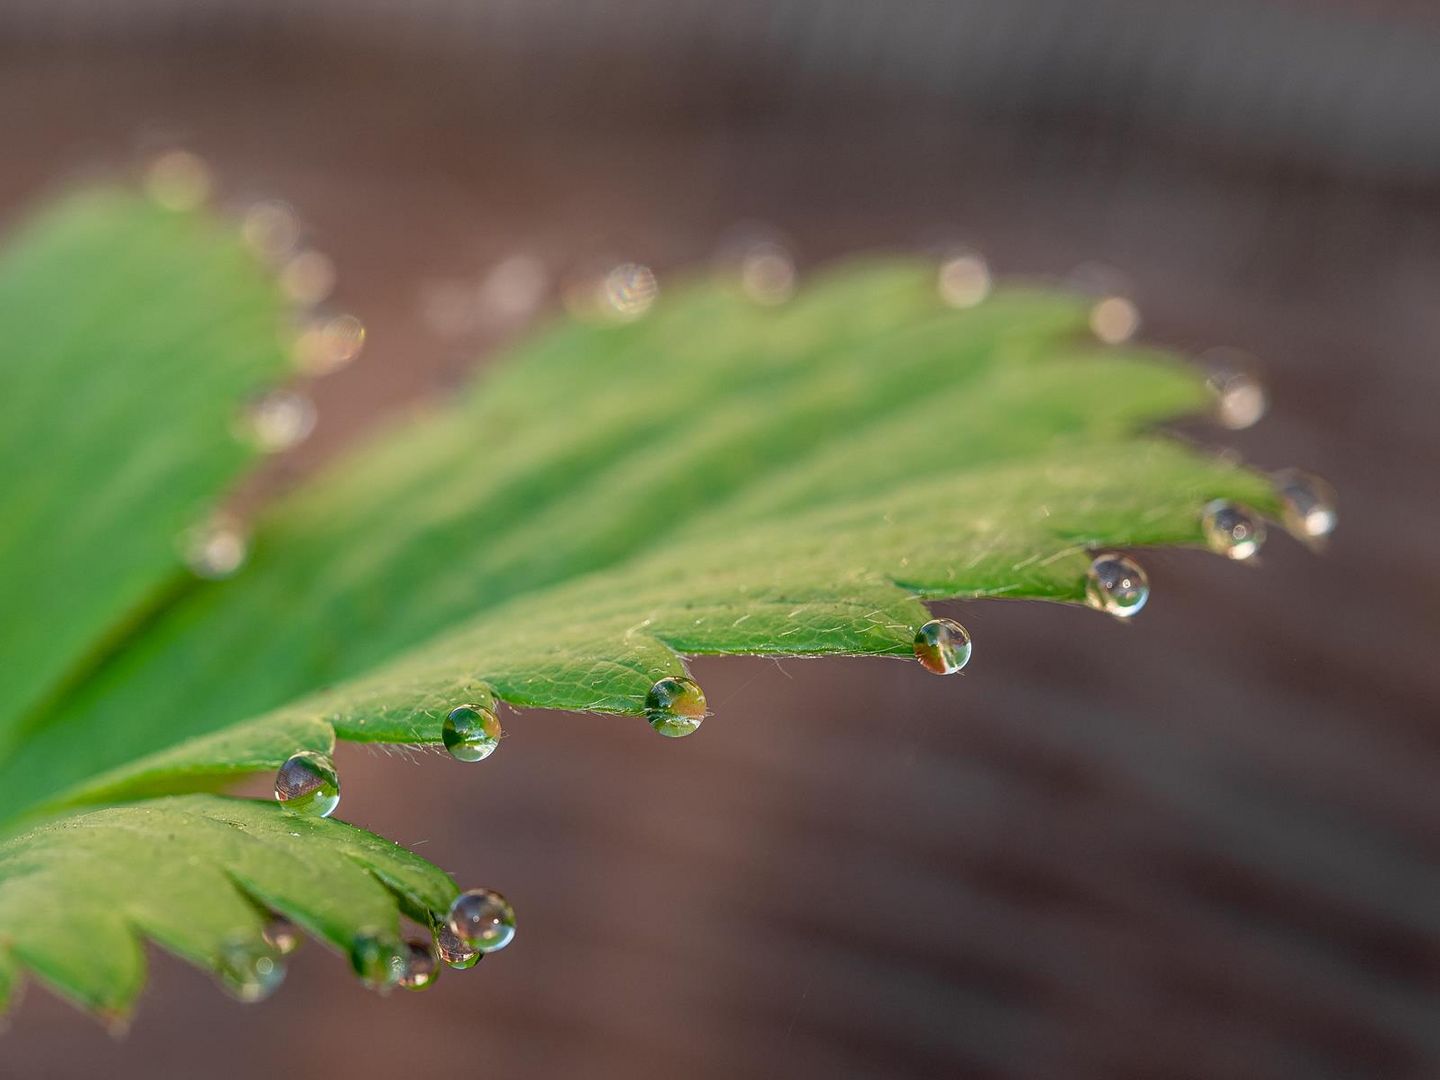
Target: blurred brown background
x,y
1201,847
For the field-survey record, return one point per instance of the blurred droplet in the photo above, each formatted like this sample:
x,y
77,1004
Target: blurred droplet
x,y
308,278
280,420
629,290
942,646
379,958
215,549
471,732
767,272
422,967
178,180
1240,396
1232,530
675,706
250,970
513,290
308,783
329,345
282,935
1310,512
964,280
483,919
1115,319
271,229
1117,585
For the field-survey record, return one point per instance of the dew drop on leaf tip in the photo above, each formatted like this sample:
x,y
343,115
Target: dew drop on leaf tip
x,y
964,280
1116,585
279,420
455,952
1232,530
380,959
675,706
1309,504
422,967
1240,396
251,970
942,646
482,919
308,783
471,732
282,935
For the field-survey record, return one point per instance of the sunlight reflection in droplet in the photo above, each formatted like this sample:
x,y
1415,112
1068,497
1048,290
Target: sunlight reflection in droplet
x,y
329,345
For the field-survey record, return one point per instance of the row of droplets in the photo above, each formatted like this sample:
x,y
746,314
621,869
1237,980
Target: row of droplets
x,y
323,343
1117,585
478,922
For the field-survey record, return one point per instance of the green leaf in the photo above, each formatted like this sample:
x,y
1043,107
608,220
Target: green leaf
x,y
717,477
198,874
133,336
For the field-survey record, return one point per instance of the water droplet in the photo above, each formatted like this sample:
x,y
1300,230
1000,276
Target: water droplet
x,y
1117,585
1309,504
215,549
282,935
942,646
309,783
271,229
964,280
251,970
1240,398
767,272
280,420
380,959
178,180
483,919
453,951
629,289
513,289
422,967
675,706
1115,319
308,278
329,345
1232,530
471,732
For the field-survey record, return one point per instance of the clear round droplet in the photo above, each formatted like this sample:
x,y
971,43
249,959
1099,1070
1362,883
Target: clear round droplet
x,y
471,732
215,549
964,280
1232,530
178,180
380,959
308,783
282,935
482,919
422,967
280,420
1309,504
942,646
250,970
1116,585
675,706
453,951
